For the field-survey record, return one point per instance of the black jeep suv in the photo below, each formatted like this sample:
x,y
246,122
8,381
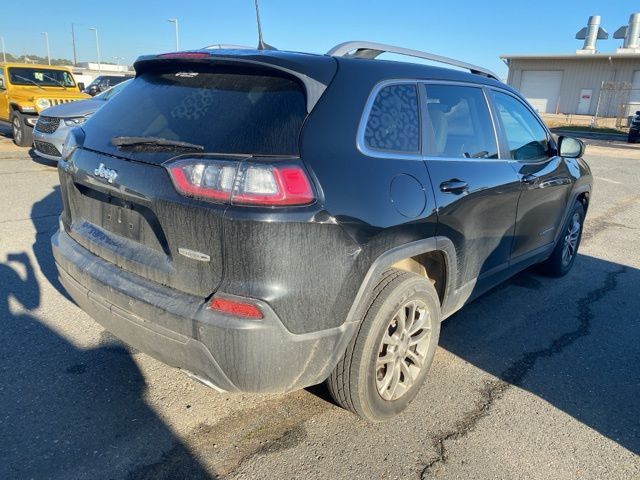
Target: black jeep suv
x,y
269,220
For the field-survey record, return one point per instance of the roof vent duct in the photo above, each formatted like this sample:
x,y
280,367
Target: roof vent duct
x,y
631,35
591,34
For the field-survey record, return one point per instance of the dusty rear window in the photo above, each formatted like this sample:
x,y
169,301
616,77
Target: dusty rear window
x,y
224,112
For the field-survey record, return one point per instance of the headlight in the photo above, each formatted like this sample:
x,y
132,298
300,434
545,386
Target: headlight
x,y
42,103
71,144
72,122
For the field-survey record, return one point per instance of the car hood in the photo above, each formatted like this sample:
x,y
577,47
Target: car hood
x,y
80,108
32,92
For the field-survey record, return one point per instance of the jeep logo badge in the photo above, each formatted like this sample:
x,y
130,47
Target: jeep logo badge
x,y
108,174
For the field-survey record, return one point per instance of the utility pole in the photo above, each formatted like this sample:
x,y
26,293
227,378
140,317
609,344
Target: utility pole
x,y
97,47
46,38
175,22
73,41
4,53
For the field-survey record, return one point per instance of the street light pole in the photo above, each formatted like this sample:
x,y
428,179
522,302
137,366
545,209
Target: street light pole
x,y
97,47
73,41
175,22
46,38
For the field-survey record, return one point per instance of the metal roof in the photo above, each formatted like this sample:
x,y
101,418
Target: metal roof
x,y
573,56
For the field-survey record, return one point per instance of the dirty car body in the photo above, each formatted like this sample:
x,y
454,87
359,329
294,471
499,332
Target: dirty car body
x,y
249,292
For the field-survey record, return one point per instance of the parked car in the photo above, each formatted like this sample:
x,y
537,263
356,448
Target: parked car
x,y
269,220
54,123
26,90
634,128
104,83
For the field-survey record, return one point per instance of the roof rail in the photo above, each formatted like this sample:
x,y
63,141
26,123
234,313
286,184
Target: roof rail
x,y
358,49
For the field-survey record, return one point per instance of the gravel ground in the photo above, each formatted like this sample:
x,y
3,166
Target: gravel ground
x,y
539,378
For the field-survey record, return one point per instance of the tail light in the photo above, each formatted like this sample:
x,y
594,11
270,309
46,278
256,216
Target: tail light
x,y
243,183
184,55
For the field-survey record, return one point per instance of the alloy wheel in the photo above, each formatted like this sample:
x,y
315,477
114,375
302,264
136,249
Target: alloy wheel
x,y
403,349
17,130
571,238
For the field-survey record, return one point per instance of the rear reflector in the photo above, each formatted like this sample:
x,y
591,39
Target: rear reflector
x,y
246,183
238,309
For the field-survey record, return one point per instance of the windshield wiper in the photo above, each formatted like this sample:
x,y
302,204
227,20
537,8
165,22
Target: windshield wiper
x,y
30,81
56,81
154,143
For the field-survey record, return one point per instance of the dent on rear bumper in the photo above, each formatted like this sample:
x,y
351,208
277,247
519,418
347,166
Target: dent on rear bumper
x,y
230,353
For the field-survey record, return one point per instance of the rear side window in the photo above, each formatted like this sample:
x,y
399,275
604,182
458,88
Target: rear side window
x,y
526,138
393,124
459,124
224,112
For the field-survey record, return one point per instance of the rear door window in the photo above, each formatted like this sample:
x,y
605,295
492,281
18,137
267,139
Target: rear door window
x,y
393,124
224,112
459,123
527,139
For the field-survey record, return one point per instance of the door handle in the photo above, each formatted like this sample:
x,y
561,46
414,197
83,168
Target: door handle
x,y
454,186
529,179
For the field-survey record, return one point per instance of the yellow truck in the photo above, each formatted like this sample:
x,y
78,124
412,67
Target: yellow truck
x,y
26,90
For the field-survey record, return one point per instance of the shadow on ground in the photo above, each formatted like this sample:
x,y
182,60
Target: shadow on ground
x,y
69,412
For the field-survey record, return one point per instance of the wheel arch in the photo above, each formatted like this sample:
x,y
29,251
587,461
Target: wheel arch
x,y
434,258
580,194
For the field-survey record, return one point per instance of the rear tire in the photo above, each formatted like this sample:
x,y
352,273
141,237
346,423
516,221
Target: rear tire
x,y
387,361
22,133
566,250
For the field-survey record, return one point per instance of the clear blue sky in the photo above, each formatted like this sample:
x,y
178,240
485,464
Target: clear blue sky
x,y
471,30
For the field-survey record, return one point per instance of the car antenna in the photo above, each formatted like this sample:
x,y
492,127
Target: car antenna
x,y
261,44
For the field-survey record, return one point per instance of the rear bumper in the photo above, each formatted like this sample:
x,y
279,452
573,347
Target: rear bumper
x,y
226,352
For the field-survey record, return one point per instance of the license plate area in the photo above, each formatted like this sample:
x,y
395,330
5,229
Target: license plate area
x,y
121,219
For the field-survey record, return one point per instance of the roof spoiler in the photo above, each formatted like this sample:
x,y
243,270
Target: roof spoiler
x,y
314,87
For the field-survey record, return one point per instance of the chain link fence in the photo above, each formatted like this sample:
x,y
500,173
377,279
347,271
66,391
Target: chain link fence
x,y
616,100
616,104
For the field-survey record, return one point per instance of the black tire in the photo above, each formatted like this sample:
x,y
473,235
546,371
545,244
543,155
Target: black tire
x,y
557,265
356,380
22,133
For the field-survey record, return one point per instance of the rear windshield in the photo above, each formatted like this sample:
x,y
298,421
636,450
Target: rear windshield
x,y
223,112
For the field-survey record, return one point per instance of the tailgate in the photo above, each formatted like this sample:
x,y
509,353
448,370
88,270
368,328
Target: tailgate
x,y
141,224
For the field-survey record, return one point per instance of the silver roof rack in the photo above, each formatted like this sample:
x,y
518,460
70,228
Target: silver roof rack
x,y
358,49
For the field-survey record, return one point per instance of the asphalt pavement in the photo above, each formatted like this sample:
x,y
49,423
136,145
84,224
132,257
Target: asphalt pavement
x,y
539,378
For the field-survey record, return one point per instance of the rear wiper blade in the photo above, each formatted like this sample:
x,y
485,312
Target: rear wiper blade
x,y
153,143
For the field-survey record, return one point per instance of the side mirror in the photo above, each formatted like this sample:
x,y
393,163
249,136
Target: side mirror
x,y
81,86
570,147
2,84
